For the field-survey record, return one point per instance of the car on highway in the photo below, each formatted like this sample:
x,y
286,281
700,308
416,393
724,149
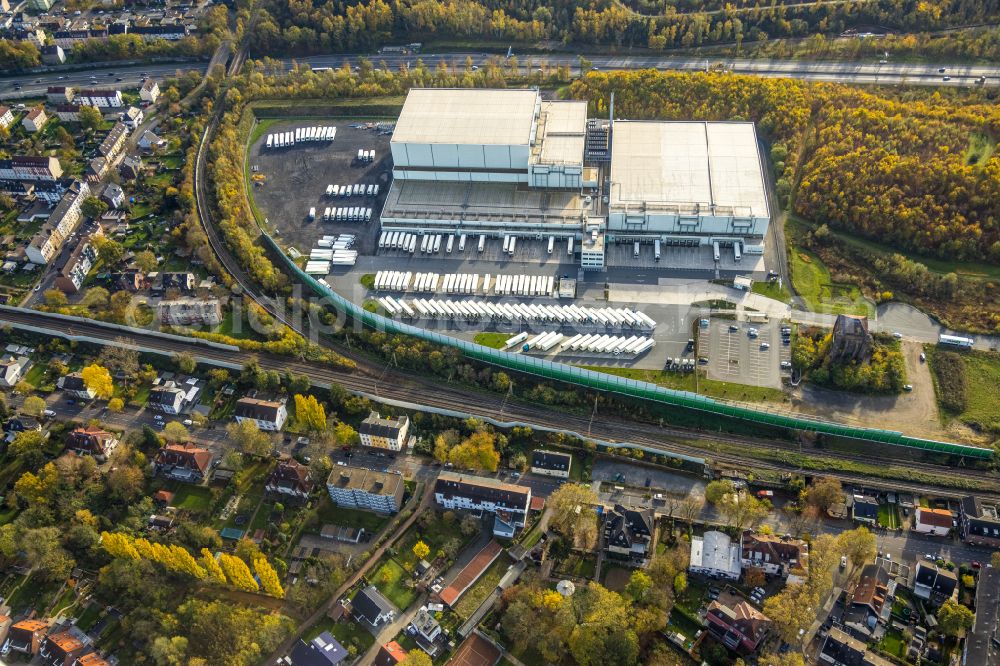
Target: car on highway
x,y
941,70
594,68
907,387
37,287
897,335
946,78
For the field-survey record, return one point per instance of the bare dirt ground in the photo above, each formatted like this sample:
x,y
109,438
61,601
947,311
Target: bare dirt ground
x,y
914,413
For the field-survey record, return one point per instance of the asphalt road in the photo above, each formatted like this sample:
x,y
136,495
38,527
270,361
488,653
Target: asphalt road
x,y
35,85
844,72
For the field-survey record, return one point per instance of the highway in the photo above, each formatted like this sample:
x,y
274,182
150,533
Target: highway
x,y
840,71
35,85
417,392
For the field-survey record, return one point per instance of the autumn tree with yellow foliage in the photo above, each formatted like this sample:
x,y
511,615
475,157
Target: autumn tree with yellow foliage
x,y
97,379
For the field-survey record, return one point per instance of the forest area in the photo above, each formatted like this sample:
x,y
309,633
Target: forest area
x,y
303,27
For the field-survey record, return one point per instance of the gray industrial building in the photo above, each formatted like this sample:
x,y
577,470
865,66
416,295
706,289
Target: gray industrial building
x,y
507,162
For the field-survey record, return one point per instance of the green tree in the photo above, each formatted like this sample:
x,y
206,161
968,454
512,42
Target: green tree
x,y
96,297
185,362
110,250
169,651
824,493
248,438
477,452
33,406
639,584
93,207
416,657
573,513
954,619
146,261
858,544
175,432
97,379
346,435
54,298
421,550
90,118
26,443
309,413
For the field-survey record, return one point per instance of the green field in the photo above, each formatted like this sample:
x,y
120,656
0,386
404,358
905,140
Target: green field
x,y
688,382
192,498
390,579
982,370
813,283
493,340
328,512
888,516
772,290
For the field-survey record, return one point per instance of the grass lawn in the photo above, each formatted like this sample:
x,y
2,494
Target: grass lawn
x,y
347,633
193,498
682,623
493,340
35,375
982,371
813,283
390,579
32,594
488,582
888,516
89,616
691,599
328,512
892,643
688,382
980,150
772,290
367,280
578,565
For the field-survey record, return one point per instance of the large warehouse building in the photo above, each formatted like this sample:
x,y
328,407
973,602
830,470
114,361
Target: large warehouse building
x,y
507,162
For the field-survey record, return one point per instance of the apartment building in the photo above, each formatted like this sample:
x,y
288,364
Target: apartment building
x,y
359,488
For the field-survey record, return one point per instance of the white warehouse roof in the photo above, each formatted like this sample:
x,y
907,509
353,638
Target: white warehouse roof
x,y
702,167
463,116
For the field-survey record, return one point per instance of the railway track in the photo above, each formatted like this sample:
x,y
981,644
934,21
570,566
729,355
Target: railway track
x,y
414,390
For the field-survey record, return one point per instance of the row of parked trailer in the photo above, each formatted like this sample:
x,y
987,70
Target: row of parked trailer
x,y
332,251
347,214
467,283
594,343
559,314
301,135
355,190
366,156
400,240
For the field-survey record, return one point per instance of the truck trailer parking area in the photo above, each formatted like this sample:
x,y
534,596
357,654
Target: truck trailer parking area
x,y
296,179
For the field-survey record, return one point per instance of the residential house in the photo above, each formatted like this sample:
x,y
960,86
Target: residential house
x,y
68,113
381,433
74,385
113,195
426,630
936,522
6,117
130,167
982,643
980,522
31,168
455,491
776,556
78,265
865,510
92,442
159,283
183,462
132,117
269,415
365,489
92,659
933,583
715,555
40,5
150,141
129,280
11,370
371,609
53,55
101,98
628,533
25,637
551,463
149,92
63,646
59,95
61,223
32,34
22,423
737,624
842,649
5,623
870,604
390,654
98,168
324,650
35,119
290,481
172,397
169,31
114,142
190,312
70,38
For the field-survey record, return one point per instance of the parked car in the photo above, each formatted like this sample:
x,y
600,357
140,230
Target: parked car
x,y
843,561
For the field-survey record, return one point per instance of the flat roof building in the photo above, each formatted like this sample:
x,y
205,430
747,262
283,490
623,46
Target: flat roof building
x,y
360,488
687,180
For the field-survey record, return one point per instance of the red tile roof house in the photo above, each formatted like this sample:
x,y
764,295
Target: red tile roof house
x,y
61,648
92,442
936,522
26,637
183,462
738,625
390,654
290,480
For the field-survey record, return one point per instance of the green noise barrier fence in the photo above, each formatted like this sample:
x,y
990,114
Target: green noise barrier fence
x,y
629,387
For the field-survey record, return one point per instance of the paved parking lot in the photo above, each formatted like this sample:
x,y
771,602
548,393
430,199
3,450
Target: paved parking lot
x,y
734,356
296,179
